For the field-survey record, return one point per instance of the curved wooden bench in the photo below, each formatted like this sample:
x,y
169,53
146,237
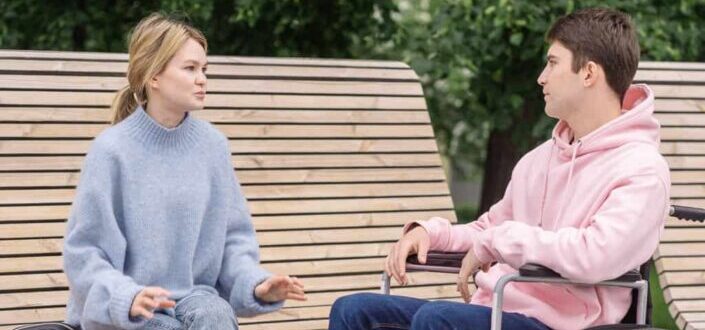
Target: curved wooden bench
x,y
334,156
680,258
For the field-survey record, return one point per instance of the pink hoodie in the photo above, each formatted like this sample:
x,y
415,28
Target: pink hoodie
x,y
591,211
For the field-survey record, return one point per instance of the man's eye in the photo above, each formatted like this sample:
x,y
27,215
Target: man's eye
x,y
191,67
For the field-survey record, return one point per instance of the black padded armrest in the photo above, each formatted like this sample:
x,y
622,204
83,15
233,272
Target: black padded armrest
x,y
441,259
534,270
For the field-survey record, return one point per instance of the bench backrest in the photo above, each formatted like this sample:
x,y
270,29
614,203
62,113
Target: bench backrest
x,y
680,258
334,156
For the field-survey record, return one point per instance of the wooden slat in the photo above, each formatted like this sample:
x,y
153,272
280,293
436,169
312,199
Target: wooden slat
x,y
354,235
350,205
112,84
683,235
680,249
681,119
219,70
30,246
219,115
269,222
264,222
668,279
258,192
70,179
688,191
683,134
30,264
60,212
649,65
684,292
224,100
33,281
32,315
686,162
687,177
649,76
678,91
680,264
88,131
122,57
58,147
38,163
327,267
227,115
679,105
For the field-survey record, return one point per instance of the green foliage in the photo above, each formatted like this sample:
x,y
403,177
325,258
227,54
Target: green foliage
x,y
339,28
479,61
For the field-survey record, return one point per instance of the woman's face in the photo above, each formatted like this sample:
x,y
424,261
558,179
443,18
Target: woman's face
x,y
182,84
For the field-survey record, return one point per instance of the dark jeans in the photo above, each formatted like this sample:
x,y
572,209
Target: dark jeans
x,y
376,311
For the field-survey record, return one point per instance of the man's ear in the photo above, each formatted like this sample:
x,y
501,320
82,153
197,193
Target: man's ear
x,y
590,73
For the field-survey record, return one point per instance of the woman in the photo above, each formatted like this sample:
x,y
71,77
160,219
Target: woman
x,y
159,234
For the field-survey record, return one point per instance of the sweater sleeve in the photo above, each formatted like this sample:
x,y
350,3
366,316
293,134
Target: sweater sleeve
x,y
445,237
621,235
240,272
94,247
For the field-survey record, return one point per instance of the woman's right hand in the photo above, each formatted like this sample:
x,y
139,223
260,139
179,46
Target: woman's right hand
x,y
149,299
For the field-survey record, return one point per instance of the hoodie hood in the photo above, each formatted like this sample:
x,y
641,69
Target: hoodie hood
x,y
636,124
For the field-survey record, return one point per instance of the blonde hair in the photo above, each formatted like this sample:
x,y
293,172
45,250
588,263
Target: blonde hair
x,y
153,43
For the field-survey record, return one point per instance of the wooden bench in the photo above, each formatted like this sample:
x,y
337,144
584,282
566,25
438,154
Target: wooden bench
x,y
680,258
334,156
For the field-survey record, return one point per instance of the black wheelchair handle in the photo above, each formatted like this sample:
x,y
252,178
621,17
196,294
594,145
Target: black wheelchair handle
x,y
687,213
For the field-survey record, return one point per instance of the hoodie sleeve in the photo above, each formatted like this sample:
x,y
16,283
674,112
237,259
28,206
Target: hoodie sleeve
x,y
94,248
240,272
446,237
621,235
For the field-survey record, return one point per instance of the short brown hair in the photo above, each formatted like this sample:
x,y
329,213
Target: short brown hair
x,y
604,36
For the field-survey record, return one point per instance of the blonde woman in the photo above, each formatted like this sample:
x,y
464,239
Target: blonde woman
x,y
159,235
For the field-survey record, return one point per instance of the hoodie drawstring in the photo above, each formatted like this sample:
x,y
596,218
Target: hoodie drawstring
x,y
570,176
545,183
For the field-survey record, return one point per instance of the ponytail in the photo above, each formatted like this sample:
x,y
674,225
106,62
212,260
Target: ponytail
x,y
124,103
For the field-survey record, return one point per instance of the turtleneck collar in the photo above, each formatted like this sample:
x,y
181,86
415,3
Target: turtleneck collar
x,y
143,127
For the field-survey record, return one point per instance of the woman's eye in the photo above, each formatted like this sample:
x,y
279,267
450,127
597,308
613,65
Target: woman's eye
x,y
191,67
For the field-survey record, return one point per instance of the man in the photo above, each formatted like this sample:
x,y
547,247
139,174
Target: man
x,y
589,203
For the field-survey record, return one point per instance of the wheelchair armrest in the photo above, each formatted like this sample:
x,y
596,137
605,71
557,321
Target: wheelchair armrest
x,y
439,259
535,270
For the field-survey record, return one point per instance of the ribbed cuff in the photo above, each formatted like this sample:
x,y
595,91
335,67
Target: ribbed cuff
x,y
120,305
243,297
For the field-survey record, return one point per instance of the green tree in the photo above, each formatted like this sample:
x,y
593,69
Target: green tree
x,y
479,61
359,28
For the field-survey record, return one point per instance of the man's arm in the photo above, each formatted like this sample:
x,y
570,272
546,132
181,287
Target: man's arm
x,y
622,235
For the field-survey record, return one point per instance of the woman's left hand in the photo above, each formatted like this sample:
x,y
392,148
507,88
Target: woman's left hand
x,y
280,287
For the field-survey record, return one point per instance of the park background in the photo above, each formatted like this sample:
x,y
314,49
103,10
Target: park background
x,y
477,60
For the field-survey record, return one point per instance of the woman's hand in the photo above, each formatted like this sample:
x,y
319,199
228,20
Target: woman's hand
x,y
149,299
280,287
470,266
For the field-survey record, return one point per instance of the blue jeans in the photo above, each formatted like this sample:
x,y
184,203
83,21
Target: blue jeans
x,y
198,311
376,311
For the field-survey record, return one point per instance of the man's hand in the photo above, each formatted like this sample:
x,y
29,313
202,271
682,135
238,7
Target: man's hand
x,y
415,241
470,266
280,287
149,299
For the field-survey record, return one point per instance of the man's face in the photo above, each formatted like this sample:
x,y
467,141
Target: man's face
x,y
562,87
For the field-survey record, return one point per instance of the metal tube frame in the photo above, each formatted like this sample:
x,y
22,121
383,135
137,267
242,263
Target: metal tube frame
x,y
498,292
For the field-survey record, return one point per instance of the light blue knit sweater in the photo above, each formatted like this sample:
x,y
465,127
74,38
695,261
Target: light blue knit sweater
x,y
158,207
